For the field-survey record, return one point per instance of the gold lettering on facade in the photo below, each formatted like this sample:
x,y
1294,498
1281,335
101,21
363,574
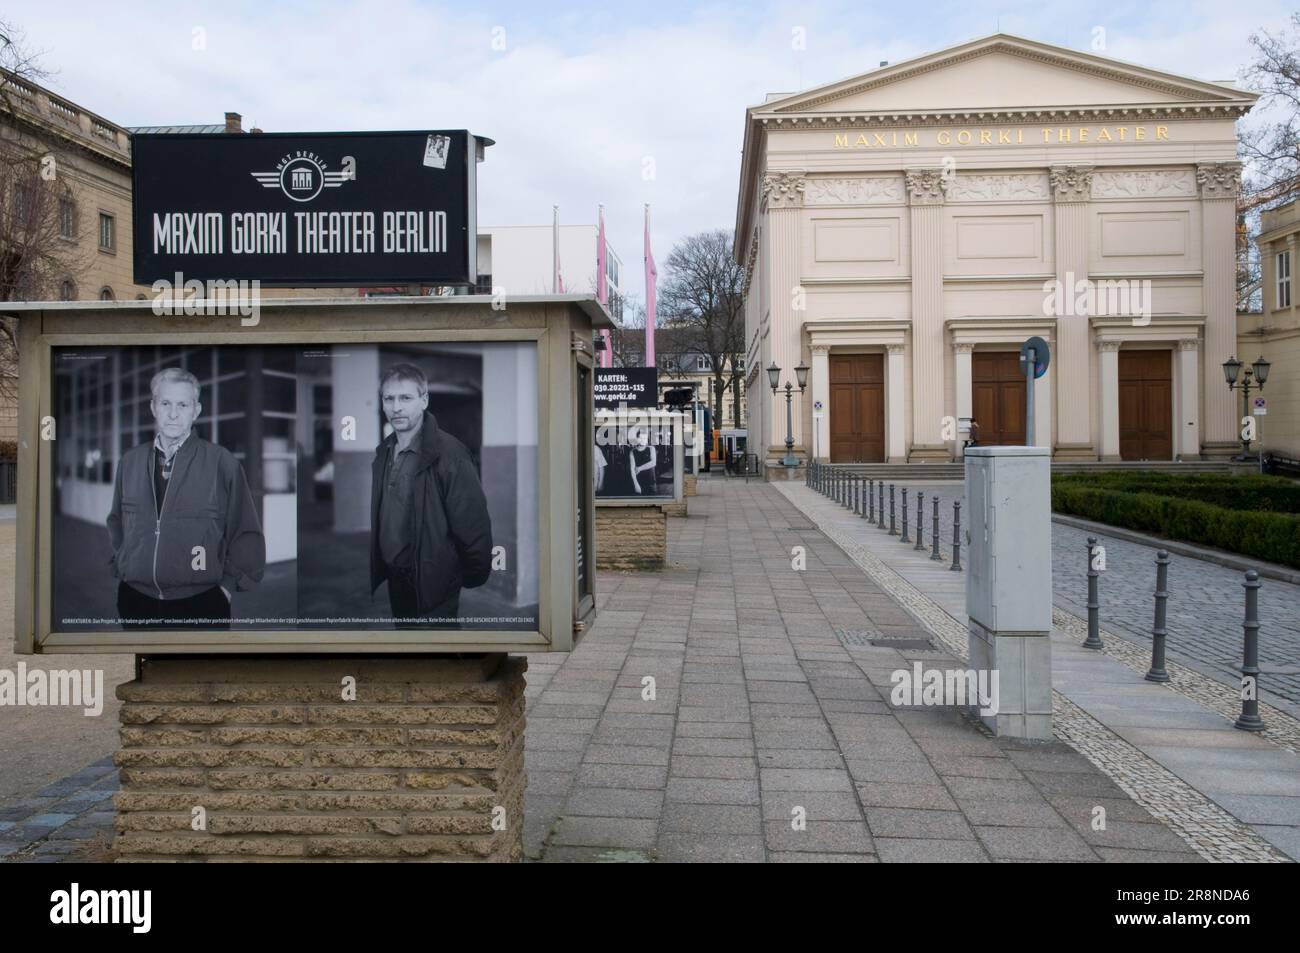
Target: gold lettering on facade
x,y
965,137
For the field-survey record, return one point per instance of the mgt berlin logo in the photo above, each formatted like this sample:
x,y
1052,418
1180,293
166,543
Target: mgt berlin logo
x,y
302,176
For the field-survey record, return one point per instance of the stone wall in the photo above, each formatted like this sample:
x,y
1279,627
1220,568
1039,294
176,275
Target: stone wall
x,y
267,759
631,537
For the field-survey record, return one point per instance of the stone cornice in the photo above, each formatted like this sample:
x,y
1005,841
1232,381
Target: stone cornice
x,y
922,118
1063,59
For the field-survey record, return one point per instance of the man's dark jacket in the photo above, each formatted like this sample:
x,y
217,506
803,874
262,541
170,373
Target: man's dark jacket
x,y
208,504
451,531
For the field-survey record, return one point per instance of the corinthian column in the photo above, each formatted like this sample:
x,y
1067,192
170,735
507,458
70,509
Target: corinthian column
x,y
1220,182
1071,190
782,203
925,190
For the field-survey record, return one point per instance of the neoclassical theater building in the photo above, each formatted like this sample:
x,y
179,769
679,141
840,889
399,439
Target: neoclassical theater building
x,y
905,230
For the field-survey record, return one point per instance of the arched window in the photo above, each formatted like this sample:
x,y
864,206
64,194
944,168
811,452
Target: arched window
x,y
67,291
106,294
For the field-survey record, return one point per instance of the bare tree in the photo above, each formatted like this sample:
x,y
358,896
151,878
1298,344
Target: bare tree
x,y
1271,149
703,308
37,212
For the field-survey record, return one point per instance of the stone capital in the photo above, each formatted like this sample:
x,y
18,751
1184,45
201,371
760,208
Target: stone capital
x,y
822,349
1108,345
926,186
963,348
783,189
894,348
1219,180
1188,344
1071,183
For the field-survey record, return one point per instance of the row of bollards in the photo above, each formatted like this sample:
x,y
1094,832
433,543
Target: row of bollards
x,y
1249,720
865,498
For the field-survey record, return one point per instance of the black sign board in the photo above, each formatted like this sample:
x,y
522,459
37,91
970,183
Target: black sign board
x,y
305,209
633,386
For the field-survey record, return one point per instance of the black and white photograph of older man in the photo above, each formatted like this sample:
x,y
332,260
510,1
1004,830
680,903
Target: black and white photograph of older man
x,y
183,526
174,467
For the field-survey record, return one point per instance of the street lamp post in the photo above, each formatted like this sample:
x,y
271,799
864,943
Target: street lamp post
x,y
774,378
1231,371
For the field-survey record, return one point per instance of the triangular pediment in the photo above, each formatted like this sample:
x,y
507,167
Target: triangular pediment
x,y
1002,72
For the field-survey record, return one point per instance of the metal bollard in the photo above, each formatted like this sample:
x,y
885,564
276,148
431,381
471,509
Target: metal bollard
x,y
935,536
920,521
893,531
956,536
857,493
1249,719
871,501
1158,673
1094,631
881,507
904,538
866,496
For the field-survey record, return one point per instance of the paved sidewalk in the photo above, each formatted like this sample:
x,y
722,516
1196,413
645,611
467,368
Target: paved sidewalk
x,y
1171,746
765,735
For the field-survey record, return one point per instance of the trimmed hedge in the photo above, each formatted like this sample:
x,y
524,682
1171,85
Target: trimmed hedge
x,y
1271,536
1252,492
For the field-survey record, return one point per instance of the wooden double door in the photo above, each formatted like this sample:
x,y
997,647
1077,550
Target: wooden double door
x,y
857,422
998,398
1146,405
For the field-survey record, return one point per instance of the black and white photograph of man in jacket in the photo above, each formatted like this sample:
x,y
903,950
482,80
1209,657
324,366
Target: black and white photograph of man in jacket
x,y
418,501
430,532
183,527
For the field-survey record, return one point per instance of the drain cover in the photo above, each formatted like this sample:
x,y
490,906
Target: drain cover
x,y
854,637
903,643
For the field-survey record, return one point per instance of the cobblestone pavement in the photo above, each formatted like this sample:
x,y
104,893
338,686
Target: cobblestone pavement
x,y
1205,609
1204,612
70,819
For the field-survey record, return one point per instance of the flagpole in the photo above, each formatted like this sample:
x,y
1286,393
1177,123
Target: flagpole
x,y
555,249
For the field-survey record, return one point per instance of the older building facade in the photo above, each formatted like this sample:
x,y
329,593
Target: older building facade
x,y
1274,333
906,230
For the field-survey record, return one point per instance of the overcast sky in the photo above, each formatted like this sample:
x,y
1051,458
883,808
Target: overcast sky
x,y
578,96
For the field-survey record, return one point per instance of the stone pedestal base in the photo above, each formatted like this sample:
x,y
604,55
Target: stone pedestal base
x,y
689,487
775,471
631,538
285,758
1023,664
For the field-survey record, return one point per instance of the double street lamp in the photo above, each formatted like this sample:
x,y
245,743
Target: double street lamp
x,y
774,378
1231,370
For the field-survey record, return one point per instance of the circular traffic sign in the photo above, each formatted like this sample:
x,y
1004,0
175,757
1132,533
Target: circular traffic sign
x,y
1042,356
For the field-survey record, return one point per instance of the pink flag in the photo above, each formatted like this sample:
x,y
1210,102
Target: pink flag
x,y
602,288
651,275
602,282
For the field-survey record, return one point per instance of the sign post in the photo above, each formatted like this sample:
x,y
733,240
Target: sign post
x,y
1034,358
